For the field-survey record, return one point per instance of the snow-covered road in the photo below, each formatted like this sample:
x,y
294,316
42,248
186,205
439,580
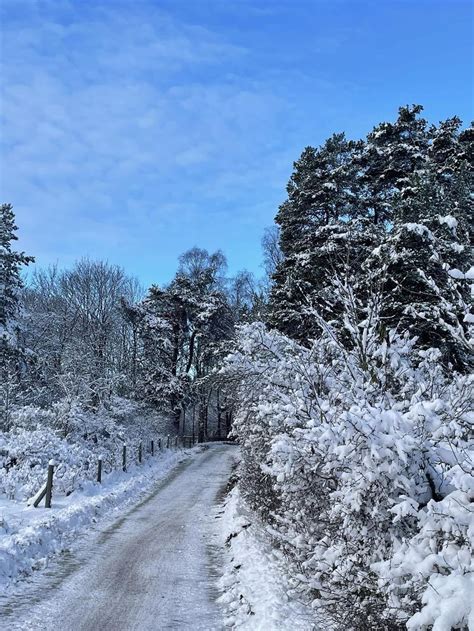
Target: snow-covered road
x,y
155,569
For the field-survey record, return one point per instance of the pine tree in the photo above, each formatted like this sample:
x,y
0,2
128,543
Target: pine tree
x,y
392,153
451,160
180,326
444,151
11,353
428,239
10,266
322,235
318,192
432,219
465,169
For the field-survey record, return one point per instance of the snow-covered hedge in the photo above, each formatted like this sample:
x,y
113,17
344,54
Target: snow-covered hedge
x,y
358,454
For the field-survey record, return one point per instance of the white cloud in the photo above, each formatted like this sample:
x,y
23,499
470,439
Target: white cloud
x,y
121,125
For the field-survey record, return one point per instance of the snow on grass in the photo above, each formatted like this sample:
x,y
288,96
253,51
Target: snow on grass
x,y
255,590
29,536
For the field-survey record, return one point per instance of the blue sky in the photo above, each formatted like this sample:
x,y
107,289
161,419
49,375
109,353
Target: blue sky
x,y
135,129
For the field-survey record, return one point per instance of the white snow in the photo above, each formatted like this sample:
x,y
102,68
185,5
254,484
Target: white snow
x,y
396,520
449,221
444,604
456,273
29,536
418,228
255,590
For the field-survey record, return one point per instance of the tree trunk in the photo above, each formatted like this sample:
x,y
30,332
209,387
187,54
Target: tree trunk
x,y
202,419
219,420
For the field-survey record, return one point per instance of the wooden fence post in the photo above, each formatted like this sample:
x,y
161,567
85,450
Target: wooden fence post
x,y
152,447
124,457
49,484
99,470
168,442
140,453
176,442
159,444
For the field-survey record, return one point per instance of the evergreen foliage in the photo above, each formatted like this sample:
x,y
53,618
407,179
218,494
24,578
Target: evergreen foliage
x,y
394,211
12,353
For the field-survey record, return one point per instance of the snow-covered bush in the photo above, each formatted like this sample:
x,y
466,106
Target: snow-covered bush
x,y
435,566
74,437
25,455
356,452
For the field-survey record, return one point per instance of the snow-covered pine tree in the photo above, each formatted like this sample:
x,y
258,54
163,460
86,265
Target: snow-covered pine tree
x,y
444,150
156,378
451,161
11,352
317,236
466,144
11,263
465,162
391,154
429,238
180,326
432,219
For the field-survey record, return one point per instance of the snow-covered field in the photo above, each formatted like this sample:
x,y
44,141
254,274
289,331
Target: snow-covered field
x,y
255,591
30,537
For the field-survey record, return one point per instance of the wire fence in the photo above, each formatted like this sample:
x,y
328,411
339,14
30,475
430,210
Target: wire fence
x,y
131,453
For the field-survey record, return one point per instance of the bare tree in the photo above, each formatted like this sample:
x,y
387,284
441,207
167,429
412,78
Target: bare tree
x,y
272,254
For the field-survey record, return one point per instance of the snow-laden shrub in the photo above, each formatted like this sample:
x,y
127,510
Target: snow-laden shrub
x,y
435,566
26,454
353,453
74,437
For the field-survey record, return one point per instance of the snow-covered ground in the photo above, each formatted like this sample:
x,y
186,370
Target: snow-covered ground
x,y
255,590
154,566
29,536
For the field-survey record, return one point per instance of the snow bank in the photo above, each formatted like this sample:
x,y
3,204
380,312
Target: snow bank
x,y
255,591
29,537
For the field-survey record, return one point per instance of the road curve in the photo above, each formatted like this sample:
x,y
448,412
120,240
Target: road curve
x,y
154,569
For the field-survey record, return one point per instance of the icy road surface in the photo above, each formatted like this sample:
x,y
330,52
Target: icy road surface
x,y
154,569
